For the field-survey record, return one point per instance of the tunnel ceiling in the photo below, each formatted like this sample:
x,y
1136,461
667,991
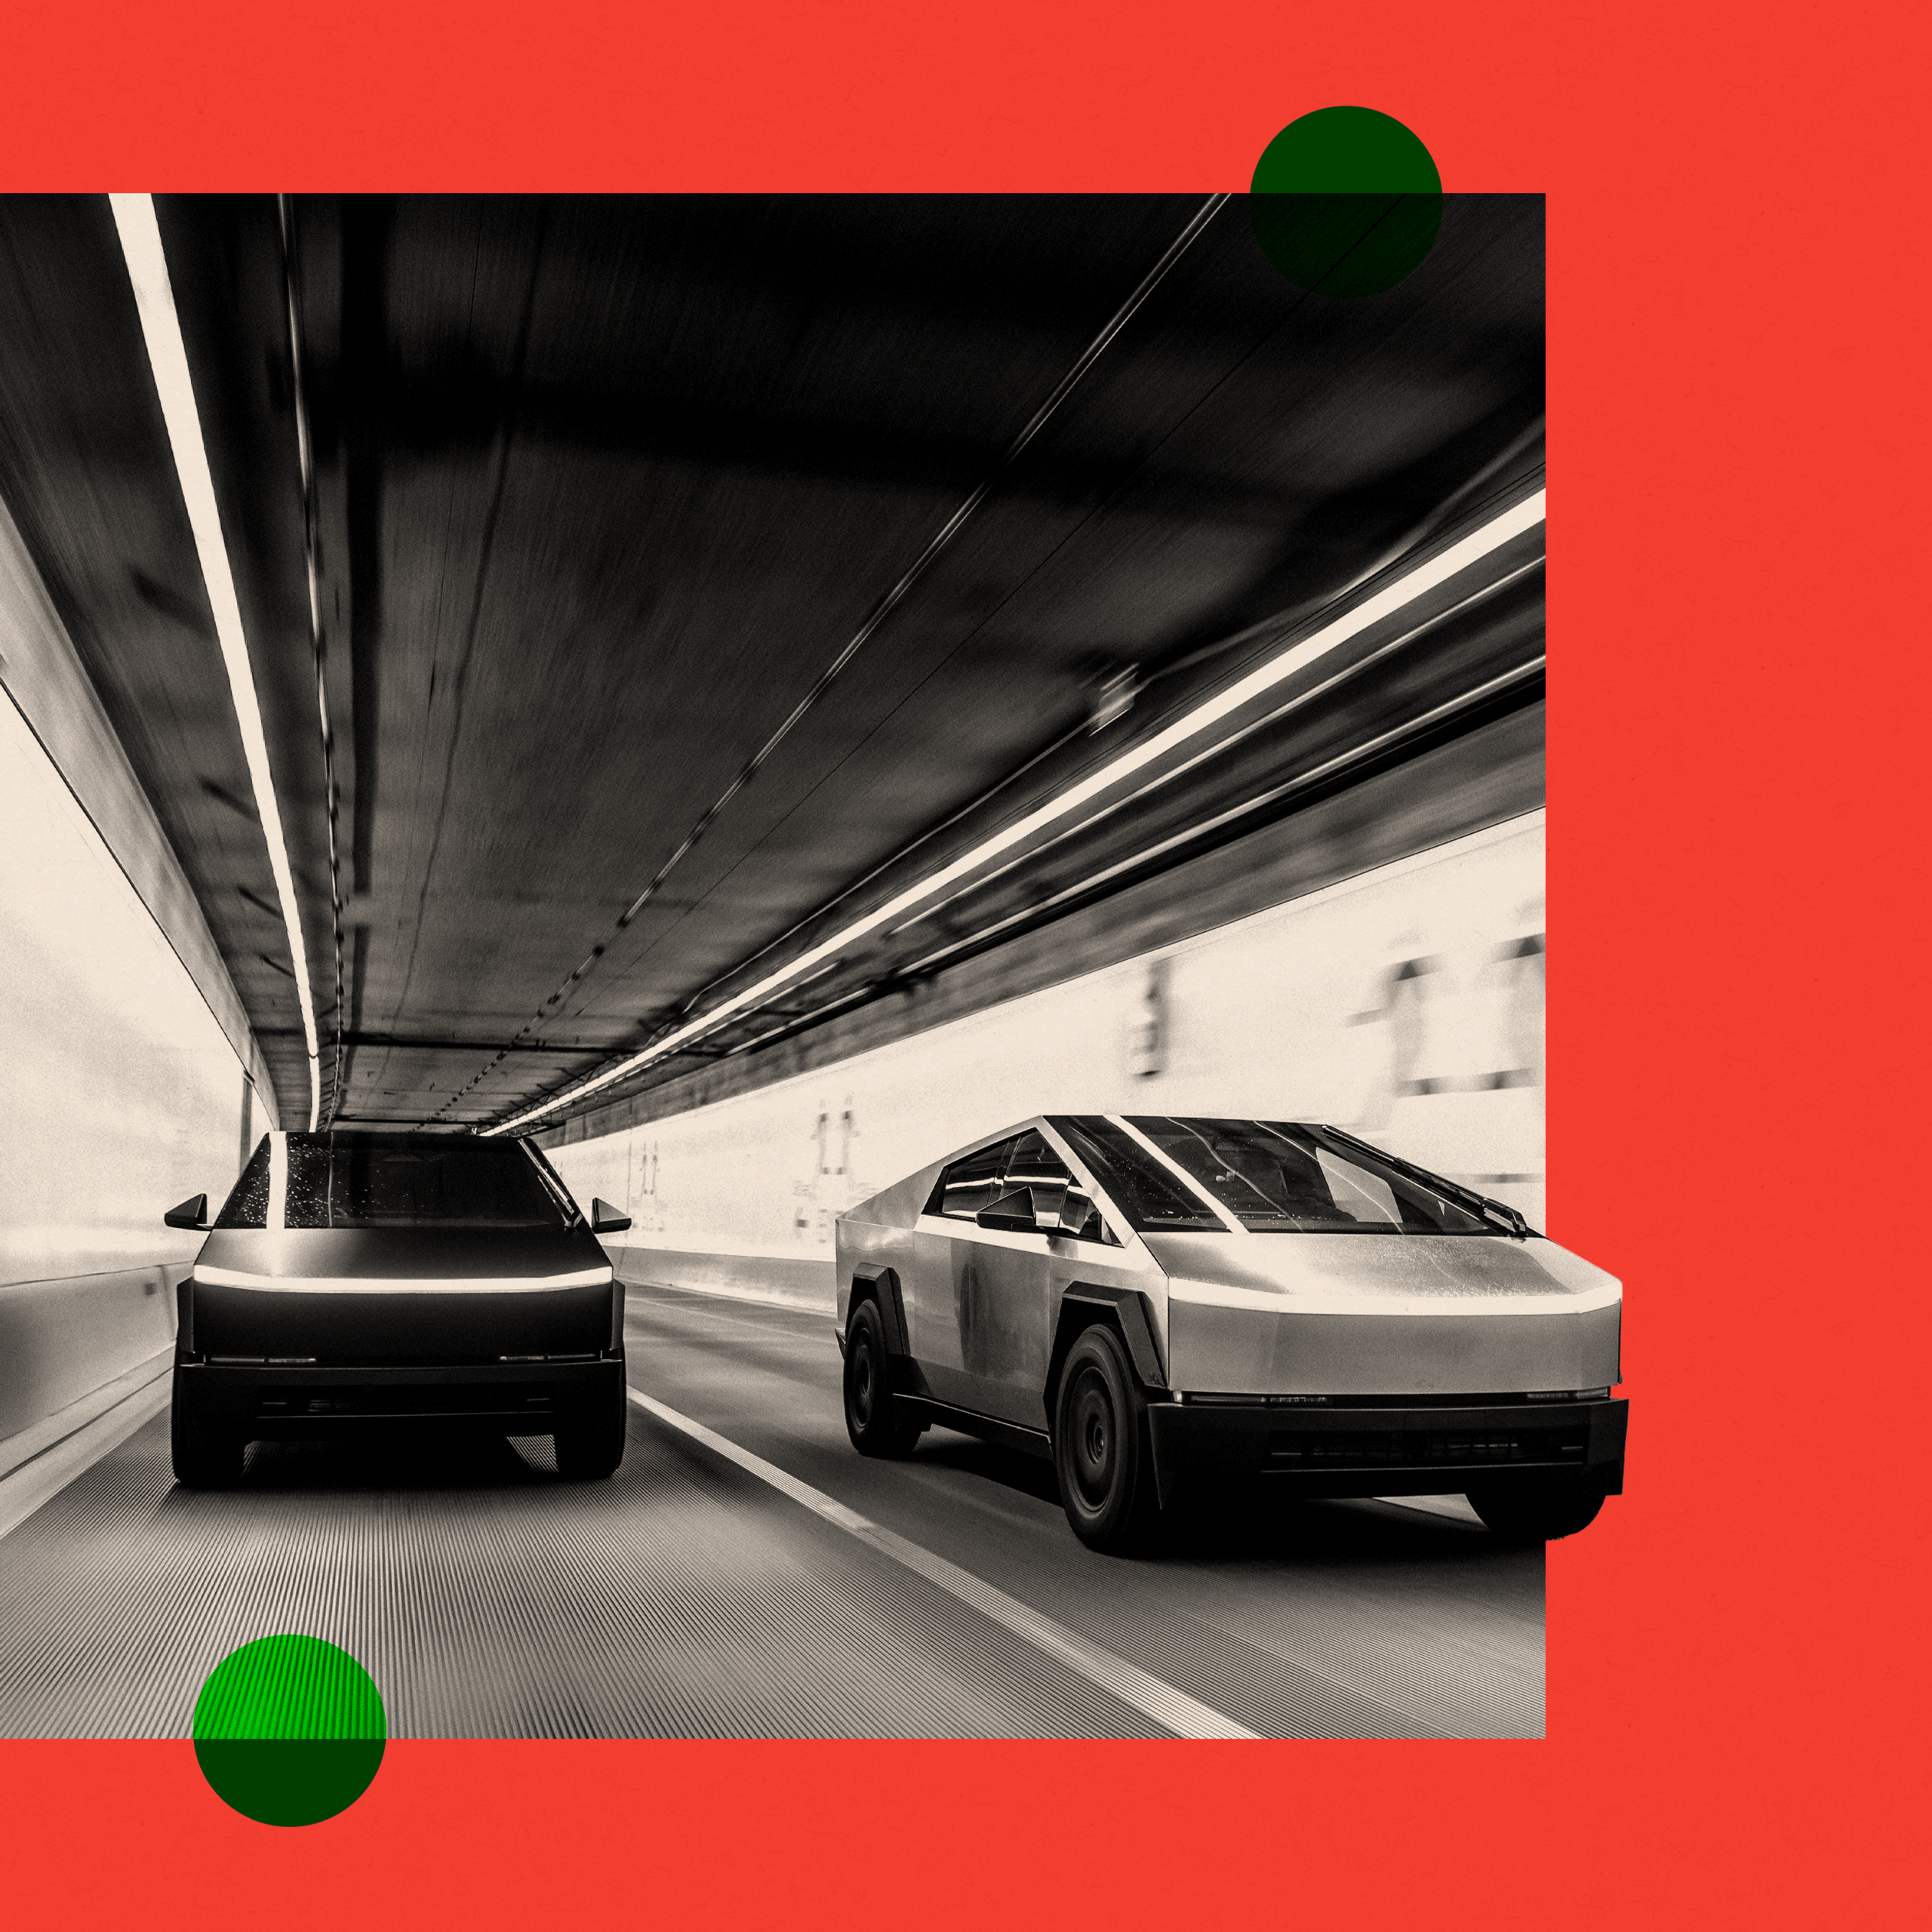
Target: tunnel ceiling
x,y
604,489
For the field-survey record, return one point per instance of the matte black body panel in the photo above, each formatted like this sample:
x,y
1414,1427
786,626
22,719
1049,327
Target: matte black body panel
x,y
259,1403
439,1325
1324,1451
1129,1307
886,1297
988,1429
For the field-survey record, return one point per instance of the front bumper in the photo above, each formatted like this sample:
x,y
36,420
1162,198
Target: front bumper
x,y
1389,1447
261,1401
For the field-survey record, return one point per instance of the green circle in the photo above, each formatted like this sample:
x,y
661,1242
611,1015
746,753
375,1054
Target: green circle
x,y
289,1731
1346,201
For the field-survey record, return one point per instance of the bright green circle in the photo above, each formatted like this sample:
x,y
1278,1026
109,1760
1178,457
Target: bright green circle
x,y
1346,201
289,1729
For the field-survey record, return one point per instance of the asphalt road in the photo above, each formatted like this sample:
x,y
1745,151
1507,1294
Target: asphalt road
x,y
747,1574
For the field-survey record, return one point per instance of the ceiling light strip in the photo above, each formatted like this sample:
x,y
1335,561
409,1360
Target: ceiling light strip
x,y
1300,783
168,357
311,547
1504,527
1300,699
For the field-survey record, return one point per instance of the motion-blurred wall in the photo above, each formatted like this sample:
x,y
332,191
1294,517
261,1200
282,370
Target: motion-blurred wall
x,y
123,1091
1405,1003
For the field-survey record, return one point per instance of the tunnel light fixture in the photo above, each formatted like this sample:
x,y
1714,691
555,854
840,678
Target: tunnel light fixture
x,y
1505,526
1300,782
168,357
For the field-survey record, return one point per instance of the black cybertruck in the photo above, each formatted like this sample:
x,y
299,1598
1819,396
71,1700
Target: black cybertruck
x,y
360,1280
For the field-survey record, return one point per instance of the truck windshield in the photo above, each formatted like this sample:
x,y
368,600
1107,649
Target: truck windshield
x,y
392,1180
1292,1177
1152,1198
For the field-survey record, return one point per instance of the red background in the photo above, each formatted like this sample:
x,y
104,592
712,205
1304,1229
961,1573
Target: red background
x,y
1736,406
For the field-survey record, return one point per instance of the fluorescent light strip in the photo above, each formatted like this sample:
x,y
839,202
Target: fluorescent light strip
x,y
168,357
1501,529
1248,730
1299,783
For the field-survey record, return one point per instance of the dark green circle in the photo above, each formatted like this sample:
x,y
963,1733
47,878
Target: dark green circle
x,y
1346,201
289,1731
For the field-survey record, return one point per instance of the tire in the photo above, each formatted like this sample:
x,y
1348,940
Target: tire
x,y
1102,1450
589,1450
873,1417
204,1458
1536,1515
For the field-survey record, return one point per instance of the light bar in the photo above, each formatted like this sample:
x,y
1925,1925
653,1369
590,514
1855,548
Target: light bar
x,y
1502,528
400,1284
168,357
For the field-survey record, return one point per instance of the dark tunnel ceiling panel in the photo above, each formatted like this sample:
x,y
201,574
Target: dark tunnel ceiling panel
x,y
603,485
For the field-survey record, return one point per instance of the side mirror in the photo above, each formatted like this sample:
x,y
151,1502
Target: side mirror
x,y
604,1219
1011,1214
192,1213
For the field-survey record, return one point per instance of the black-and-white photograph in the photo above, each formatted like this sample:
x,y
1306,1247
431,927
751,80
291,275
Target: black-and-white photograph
x,y
773,968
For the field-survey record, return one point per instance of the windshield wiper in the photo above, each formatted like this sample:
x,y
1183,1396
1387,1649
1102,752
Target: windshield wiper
x,y
1483,1203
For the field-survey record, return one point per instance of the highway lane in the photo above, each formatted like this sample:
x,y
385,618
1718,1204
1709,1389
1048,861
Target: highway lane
x,y
691,1598
1311,1620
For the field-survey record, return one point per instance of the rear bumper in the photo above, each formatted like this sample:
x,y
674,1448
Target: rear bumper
x,y
262,1402
1389,1449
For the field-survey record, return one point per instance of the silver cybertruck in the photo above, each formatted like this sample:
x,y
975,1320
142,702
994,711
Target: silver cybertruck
x,y
359,1281
1163,1306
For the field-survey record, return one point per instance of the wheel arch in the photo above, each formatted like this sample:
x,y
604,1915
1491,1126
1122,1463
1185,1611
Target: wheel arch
x,y
879,1283
1083,1305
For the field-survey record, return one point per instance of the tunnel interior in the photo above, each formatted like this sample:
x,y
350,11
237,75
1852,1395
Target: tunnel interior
x,y
743,697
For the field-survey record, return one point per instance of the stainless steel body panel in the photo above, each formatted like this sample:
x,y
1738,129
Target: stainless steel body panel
x,y
1254,1352
1370,1314
981,1305
1423,1316
1006,1291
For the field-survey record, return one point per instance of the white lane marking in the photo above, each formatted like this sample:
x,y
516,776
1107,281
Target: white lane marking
x,y
1173,1710
1456,1508
48,1473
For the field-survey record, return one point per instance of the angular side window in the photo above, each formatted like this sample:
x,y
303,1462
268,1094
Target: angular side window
x,y
247,1203
1061,1205
971,1182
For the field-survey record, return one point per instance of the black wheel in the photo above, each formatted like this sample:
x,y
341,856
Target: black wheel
x,y
204,1458
872,1419
589,1450
1102,1451
1536,1515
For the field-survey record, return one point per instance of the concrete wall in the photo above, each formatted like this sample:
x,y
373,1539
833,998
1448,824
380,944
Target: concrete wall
x,y
1405,1003
124,1089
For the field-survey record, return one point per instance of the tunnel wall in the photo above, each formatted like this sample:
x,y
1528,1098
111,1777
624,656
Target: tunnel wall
x,y
124,1089
1405,1002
